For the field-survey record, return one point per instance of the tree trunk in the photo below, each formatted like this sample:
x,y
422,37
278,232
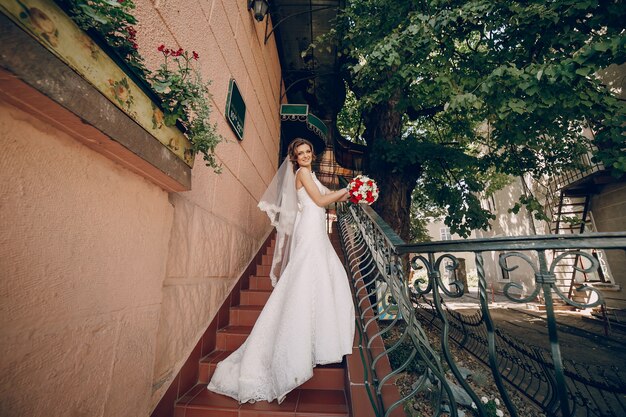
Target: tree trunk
x,y
384,123
394,202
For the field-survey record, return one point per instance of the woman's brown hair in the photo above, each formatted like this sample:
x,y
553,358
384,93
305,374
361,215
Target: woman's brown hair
x,y
291,151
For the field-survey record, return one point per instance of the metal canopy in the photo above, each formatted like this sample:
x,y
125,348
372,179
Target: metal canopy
x,y
311,75
310,79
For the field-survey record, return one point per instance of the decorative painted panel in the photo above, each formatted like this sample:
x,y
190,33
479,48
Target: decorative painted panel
x,y
52,28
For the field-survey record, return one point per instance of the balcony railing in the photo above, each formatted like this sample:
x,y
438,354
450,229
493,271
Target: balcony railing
x,y
378,262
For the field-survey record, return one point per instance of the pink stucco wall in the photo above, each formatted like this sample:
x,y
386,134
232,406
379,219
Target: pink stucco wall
x,y
107,280
82,248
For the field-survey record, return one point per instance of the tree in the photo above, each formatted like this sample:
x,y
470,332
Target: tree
x,y
451,93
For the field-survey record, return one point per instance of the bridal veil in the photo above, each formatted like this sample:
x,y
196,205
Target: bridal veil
x,y
280,202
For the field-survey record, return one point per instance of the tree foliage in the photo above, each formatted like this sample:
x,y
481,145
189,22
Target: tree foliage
x,y
453,92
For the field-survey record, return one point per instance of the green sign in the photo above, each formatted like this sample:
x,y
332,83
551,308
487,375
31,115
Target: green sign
x,y
235,109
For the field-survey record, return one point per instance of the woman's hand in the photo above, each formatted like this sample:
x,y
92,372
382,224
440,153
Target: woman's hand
x,y
345,196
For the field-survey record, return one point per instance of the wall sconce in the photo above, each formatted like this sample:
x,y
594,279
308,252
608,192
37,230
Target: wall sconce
x,y
259,8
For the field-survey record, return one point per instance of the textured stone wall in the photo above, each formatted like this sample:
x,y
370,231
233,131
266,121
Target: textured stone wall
x,y
107,280
217,226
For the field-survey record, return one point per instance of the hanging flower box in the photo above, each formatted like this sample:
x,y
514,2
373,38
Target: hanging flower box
x,y
53,29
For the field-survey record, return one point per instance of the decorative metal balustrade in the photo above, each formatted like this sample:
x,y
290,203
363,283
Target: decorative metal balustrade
x,y
593,390
377,262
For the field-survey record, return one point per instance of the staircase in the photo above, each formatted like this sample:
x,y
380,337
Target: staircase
x,y
323,395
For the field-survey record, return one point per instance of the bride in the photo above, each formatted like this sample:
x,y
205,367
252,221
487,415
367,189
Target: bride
x,y
309,318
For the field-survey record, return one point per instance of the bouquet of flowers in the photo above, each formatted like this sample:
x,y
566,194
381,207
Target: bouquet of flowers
x,y
363,189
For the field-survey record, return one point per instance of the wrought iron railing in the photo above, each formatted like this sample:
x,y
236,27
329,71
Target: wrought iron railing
x,y
594,390
377,260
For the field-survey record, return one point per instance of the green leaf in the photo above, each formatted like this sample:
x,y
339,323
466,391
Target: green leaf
x,y
161,87
584,71
601,46
93,14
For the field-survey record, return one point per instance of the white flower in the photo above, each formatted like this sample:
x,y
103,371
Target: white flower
x,y
499,413
485,400
497,401
474,405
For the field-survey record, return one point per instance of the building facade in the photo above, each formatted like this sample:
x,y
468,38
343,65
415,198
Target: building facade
x,y
108,276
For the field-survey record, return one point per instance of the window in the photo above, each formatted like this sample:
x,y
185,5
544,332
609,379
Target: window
x,y
444,234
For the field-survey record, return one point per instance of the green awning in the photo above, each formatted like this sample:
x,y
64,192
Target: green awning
x,y
297,122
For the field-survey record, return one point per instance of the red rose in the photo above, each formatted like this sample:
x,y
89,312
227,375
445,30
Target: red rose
x,y
195,55
161,48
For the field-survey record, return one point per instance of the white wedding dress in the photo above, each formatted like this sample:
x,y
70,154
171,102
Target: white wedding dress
x,y
308,319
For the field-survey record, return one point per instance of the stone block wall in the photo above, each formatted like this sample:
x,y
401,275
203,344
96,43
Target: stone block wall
x,y
108,281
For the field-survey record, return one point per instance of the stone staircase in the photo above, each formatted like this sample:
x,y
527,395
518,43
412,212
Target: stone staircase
x,y
323,395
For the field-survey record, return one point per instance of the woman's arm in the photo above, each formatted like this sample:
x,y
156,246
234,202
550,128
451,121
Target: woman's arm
x,y
304,177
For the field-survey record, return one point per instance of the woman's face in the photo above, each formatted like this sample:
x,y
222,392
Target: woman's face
x,y
304,155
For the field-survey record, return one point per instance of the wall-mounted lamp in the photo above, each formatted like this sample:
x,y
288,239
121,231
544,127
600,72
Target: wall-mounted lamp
x,y
259,8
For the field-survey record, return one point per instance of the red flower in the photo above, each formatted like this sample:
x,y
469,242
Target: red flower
x,y
161,48
195,55
178,53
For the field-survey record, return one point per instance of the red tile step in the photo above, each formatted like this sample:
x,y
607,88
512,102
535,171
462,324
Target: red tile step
x,y
254,297
231,337
200,402
260,283
267,259
244,315
263,270
325,377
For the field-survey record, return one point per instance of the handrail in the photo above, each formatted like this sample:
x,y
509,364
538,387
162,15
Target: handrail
x,y
385,251
607,240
